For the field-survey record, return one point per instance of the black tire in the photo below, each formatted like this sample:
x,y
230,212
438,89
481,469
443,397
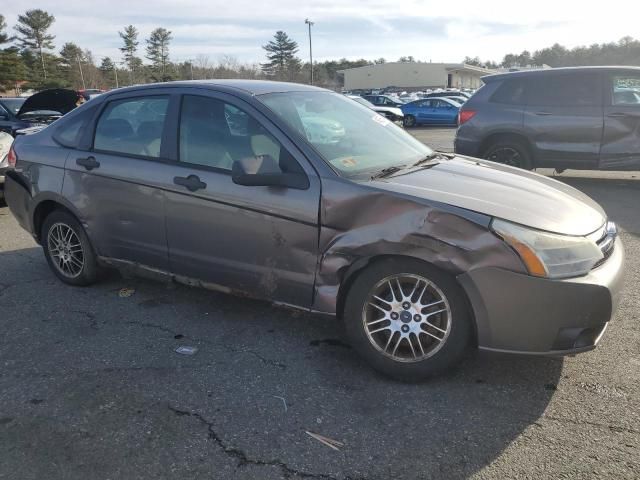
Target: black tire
x,y
88,273
509,152
409,121
448,353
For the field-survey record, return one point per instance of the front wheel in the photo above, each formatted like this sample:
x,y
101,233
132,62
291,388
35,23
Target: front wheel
x,y
409,121
409,320
68,250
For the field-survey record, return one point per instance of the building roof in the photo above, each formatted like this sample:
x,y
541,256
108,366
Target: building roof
x,y
447,66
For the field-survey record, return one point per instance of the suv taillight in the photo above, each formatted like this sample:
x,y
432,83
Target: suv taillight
x,y
12,157
465,115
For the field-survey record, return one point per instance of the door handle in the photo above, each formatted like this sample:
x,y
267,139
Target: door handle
x,y
191,183
542,114
616,114
88,163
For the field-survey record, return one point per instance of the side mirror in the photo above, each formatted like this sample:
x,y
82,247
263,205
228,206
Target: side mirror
x,y
263,171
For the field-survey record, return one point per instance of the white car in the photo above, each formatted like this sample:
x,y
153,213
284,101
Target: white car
x,y
392,113
5,144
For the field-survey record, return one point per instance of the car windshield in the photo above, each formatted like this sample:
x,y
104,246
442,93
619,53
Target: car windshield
x,y
13,104
354,140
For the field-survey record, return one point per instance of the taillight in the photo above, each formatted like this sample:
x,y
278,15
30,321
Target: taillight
x,y
465,115
12,157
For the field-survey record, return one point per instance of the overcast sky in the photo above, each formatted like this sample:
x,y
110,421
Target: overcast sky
x,y
429,30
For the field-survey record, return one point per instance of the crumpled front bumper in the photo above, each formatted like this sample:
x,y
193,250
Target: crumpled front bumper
x,y
518,313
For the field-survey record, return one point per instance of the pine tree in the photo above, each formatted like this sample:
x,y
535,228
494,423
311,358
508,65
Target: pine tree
x,y
129,49
108,70
33,28
4,38
71,57
281,53
158,53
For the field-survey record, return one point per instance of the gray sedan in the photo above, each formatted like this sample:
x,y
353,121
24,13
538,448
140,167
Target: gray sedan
x,y
303,197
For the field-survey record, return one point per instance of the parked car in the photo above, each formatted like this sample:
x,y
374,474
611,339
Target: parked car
x,y
5,144
392,113
383,100
447,93
431,111
422,254
581,118
39,109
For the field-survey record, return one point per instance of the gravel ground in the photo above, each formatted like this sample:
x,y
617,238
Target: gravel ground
x,y
91,387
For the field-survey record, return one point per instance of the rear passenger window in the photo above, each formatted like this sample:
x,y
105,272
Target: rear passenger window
x,y
511,92
567,90
68,131
132,126
625,90
215,134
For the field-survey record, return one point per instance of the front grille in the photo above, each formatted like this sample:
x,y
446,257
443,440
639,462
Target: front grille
x,y
606,240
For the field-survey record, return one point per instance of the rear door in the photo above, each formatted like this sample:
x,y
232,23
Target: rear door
x,y
113,182
621,142
564,118
260,240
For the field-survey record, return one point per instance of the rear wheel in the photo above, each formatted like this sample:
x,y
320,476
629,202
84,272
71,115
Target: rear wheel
x,y
409,121
68,250
509,152
407,319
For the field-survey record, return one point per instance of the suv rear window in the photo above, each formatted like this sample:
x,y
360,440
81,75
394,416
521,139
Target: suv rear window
x,y
569,90
511,92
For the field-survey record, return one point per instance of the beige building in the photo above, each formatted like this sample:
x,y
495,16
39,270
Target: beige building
x,y
414,76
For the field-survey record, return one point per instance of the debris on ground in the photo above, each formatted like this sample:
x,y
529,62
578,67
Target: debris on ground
x,y
329,442
186,350
284,402
126,292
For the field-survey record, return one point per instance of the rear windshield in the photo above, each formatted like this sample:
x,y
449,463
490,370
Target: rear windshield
x,y
12,104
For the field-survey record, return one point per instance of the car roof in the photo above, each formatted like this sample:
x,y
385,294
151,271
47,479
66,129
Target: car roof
x,y
554,71
251,87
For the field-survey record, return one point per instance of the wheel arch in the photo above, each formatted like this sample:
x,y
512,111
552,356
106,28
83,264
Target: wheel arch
x,y
44,205
507,135
350,273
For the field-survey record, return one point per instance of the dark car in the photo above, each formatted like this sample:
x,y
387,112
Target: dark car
x,y
301,196
382,101
581,118
39,109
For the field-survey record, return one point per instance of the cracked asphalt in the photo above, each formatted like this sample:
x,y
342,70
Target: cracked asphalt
x,y
91,386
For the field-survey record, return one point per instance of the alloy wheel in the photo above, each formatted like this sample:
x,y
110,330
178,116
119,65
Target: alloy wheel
x,y
407,317
506,155
65,250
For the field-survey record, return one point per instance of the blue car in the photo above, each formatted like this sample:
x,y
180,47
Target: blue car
x,y
431,111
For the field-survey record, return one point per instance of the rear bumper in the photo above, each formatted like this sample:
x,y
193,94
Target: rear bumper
x,y
517,313
19,200
470,148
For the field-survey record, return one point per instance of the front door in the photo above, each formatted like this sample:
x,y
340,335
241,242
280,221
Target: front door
x,y
564,119
621,142
258,240
113,183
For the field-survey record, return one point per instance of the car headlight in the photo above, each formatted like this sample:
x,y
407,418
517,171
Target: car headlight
x,y
548,254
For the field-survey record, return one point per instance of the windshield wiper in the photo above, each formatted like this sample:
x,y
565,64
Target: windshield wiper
x,y
385,172
429,159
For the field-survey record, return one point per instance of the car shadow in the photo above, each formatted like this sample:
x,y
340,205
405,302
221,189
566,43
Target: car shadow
x,y
102,359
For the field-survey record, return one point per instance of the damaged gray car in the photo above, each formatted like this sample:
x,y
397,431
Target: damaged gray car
x,y
305,198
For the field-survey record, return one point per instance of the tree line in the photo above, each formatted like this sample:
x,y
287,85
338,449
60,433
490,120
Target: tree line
x,y
626,51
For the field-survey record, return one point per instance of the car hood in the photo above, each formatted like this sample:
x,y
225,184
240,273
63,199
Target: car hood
x,y
56,99
501,191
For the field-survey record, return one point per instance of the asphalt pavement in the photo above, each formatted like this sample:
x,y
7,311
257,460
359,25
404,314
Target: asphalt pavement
x,y
91,386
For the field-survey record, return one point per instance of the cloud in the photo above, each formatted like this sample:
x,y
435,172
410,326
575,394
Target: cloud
x,y
426,29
